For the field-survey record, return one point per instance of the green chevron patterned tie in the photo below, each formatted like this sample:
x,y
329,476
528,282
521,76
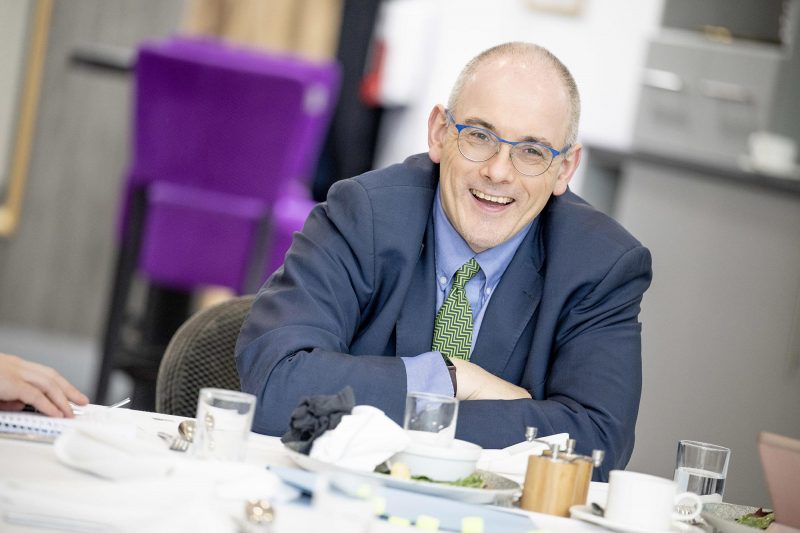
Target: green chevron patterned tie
x,y
452,329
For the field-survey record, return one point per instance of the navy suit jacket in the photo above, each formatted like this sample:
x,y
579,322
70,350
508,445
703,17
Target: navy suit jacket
x,y
357,291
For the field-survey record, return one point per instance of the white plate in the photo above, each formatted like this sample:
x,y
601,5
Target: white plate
x,y
499,489
584,512
723,517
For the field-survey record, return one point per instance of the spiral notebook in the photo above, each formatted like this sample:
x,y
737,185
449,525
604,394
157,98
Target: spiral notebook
x,y
32,426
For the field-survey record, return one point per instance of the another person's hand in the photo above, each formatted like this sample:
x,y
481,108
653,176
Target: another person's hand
x,y
475,383
23,382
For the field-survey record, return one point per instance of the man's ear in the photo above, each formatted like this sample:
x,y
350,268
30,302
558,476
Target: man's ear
x,y
568,166
437,129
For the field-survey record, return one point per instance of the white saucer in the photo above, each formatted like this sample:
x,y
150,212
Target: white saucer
x,y
584,512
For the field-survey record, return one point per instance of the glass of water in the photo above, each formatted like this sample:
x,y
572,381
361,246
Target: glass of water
x,y
431,418
224,419
702,468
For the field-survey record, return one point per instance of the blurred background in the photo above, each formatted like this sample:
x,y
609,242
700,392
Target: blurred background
x,y
109,176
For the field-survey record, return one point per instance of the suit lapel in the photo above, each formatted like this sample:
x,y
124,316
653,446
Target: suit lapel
x,y
511,307
415,323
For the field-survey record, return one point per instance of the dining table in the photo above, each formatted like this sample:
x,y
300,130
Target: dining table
x,y
43,487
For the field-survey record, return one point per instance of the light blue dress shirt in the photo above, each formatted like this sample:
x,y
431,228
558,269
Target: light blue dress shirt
x,y
427,372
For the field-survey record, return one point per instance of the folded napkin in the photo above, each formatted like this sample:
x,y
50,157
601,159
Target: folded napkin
x,y
362,440
315,415
512,462
111,455
144,487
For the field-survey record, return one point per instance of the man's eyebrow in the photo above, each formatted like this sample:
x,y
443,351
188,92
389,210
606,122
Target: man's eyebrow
x,y
489,126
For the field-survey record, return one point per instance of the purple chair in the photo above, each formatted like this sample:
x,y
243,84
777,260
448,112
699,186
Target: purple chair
x,y
221,135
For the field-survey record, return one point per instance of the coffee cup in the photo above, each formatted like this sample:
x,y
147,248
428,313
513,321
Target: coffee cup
x,y
648,502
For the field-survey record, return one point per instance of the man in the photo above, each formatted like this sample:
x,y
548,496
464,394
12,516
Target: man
x,y
24,383
477,251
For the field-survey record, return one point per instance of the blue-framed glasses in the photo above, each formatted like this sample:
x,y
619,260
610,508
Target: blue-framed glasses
x,y
479,144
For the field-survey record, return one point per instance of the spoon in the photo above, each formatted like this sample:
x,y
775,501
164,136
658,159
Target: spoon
x,y
186,429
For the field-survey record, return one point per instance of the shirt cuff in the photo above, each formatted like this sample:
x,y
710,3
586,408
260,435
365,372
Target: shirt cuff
x,y
427,372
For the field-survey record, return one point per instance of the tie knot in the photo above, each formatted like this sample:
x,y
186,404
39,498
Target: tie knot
x,y
465,273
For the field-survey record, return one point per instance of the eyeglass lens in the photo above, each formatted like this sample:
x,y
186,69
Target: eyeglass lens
x,y
477,144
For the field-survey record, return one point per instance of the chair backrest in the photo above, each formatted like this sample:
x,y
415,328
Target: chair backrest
x,y
220,133
228,119
201,354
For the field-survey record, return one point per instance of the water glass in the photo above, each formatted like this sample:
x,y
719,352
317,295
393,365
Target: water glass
x,y
431,418
702,468
224,419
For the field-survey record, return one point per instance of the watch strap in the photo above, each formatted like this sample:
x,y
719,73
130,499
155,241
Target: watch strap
x,y
451,368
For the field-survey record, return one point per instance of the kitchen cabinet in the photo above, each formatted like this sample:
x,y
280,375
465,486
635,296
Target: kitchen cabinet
x,y
701,99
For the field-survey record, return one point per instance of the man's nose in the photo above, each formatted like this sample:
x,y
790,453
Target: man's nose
x,y
499,167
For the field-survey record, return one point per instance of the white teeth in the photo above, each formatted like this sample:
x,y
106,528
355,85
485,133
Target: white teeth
x,y
496,199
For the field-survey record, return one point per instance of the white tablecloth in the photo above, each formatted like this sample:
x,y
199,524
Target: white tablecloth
x,y
35,464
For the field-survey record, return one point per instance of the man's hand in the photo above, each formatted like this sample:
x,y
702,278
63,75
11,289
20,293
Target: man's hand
x,y
23,382
475,383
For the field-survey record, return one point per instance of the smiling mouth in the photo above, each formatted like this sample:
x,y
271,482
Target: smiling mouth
x,y
488,198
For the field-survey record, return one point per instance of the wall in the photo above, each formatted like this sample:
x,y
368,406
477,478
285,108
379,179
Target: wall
x,y
14,15
55,271
721,321
604,49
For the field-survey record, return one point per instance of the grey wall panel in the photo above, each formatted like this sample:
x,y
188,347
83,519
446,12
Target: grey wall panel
x,y
720,319
55,271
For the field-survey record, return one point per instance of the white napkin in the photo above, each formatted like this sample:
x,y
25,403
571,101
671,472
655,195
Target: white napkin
x,y
110,455
512,462
363,439
145,488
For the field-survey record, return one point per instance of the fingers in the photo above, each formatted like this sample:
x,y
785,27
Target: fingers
x,y
71,393
14,405
37,385
49,390
31,395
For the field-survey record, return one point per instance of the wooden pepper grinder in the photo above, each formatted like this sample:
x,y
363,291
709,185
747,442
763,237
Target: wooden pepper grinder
x,y
556,481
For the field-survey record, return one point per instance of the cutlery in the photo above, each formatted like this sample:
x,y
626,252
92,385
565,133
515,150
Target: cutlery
x,y
186,429
176,443
259,517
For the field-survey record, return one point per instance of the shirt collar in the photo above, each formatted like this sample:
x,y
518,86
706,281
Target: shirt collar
x,y
452,251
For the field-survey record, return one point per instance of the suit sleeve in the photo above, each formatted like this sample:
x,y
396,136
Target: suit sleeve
x,y
294,343
594,382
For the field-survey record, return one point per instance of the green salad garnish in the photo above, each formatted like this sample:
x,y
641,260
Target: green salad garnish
x,y
472,481
760,519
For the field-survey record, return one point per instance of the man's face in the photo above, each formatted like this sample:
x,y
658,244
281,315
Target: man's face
x,y
489,202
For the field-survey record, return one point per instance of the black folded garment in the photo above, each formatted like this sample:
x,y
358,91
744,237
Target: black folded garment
x,y
315,415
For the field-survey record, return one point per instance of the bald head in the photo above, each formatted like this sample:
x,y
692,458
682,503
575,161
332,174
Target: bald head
x,y
534,56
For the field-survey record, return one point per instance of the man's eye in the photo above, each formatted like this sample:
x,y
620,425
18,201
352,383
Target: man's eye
x,y
531,151
479,136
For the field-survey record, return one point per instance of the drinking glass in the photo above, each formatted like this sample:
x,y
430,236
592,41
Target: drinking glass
x,y
224,419
702,468
431,418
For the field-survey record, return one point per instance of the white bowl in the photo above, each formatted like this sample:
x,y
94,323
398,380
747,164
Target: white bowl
x,y
440,463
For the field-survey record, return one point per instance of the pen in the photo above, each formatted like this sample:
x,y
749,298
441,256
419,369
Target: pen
x,y
77,409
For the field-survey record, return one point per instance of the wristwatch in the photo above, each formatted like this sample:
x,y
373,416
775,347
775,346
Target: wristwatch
x,y
452,369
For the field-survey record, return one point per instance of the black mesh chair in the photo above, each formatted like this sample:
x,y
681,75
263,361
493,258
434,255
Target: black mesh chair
x,y
199,355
